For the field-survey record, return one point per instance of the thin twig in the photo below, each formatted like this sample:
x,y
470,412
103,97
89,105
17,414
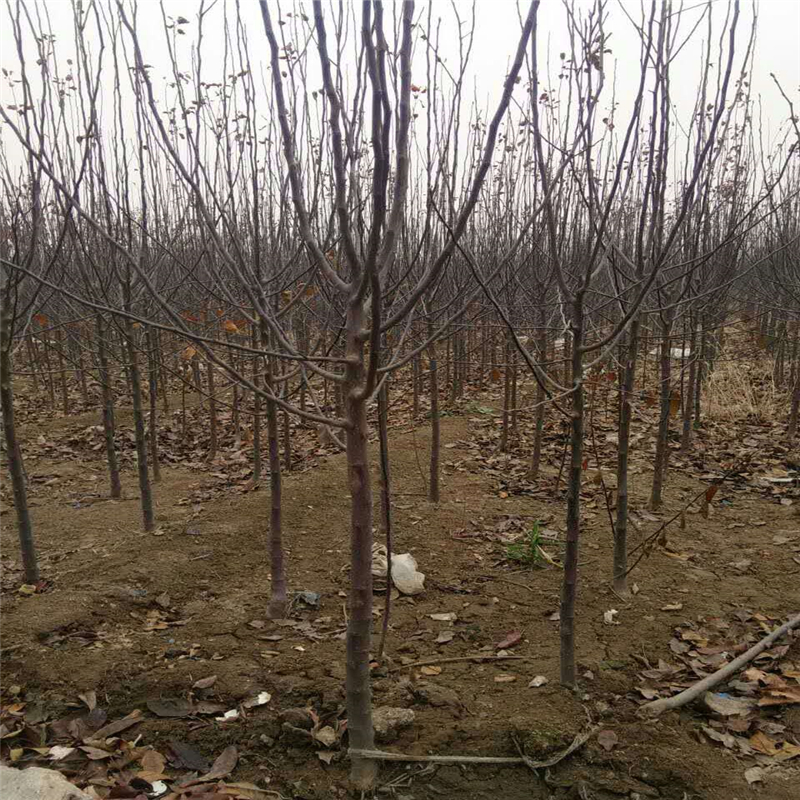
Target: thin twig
x,y
452,659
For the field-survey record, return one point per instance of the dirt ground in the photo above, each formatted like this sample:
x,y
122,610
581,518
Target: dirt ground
x,y
136,617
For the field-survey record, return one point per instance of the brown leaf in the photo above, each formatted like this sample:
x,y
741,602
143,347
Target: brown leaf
x,y
169,707
754,775
152,761
90,699
761,743
779,697
186,756
429,670
205,683
724,738
95,753
510,640
207,707
119,725
223,766
607,739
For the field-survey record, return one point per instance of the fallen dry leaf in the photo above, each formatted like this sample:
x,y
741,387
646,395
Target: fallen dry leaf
x,y
779,697
431,670
754,775
223,766
170,707
761,743
607,739
510,639
118,725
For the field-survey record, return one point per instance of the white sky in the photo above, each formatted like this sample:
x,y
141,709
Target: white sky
x,y
497,29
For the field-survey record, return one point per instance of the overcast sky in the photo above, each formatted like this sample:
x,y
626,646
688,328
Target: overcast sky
x,y
497,29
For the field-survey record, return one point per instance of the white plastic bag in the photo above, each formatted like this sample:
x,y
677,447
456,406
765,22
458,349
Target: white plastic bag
x,y
405,575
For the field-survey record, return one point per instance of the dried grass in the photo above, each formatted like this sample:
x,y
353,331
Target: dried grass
x,y
742,390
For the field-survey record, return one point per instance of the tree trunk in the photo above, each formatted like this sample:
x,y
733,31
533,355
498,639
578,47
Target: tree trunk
x,y
620,578
570,584
359,626
277,599
688,405
62,372
152,383
536,458
212,412
13,451
433,486
662,436
148,516
506,396
386,507
108,411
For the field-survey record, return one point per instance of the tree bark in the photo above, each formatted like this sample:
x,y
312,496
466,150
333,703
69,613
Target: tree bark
x,y
433,486
16,469
570,584
359,626
148,517
620,578
108,411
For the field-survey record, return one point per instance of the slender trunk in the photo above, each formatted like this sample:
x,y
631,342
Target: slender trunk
x,y
433,486
688,406
702,368
415,379
257,363
662,436
386,507
138,425
212,412
14,453
277,599
33,361
536,458
162,373
287,442
108,411
514,413
506,398
620,577
152,364
359,626
570,584
49,377
82,376
794,410
62,372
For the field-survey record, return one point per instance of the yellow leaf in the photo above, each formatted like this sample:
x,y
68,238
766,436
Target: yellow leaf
x,y
189,353
230,326
760,742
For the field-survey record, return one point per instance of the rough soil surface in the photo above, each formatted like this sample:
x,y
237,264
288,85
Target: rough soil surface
x,y
136,617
